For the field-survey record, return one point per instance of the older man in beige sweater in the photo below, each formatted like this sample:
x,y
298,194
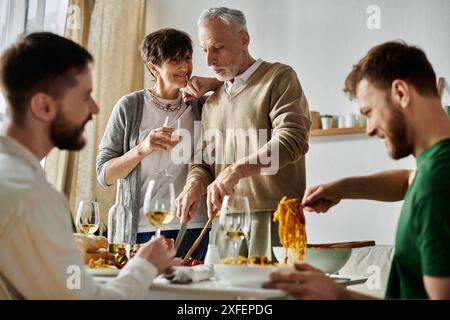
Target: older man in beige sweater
x,y
259,113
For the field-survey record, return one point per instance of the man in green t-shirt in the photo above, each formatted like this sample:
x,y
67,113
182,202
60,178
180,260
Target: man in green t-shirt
x,y
395,86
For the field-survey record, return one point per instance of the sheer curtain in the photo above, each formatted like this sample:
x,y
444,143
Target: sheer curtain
x,y
114,31
60,165
13,18
19,16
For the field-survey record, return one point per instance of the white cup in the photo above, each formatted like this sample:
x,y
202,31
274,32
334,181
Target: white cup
x,y
362,120
327,123
212,254
341,122
350,120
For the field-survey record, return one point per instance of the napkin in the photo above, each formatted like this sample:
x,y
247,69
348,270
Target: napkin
x,y
189,274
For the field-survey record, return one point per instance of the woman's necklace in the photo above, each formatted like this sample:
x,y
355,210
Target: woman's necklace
x,y
166,107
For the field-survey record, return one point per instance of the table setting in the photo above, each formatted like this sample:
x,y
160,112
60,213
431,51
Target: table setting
x,y
238,277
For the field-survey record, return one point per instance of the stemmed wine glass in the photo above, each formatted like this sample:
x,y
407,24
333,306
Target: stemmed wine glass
x,y
159,202
88,217
235,220
175,138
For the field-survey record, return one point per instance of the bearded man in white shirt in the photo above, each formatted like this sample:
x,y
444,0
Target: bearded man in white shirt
x,y
46,81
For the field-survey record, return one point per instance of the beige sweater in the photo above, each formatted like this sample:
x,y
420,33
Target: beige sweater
x,y
272,98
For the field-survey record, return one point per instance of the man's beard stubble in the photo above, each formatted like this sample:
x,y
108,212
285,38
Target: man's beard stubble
x,y
398,136
65,135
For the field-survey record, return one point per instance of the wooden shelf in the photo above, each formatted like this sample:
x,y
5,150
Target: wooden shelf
x,y
336,131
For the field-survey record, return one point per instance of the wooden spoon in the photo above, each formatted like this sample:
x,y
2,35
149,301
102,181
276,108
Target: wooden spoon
x,y
199,238
337,245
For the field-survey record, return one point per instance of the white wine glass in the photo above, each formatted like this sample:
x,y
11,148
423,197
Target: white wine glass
x,y
175,139
235,220
176,136
159,203
88,217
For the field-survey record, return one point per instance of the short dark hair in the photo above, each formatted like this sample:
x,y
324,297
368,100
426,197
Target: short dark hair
x,y
390,61
164,44
39,62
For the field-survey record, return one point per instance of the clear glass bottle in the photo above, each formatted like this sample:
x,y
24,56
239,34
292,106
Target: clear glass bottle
x,y
120,223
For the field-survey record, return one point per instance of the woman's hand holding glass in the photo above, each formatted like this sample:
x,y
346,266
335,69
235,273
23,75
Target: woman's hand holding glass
x,y
157,139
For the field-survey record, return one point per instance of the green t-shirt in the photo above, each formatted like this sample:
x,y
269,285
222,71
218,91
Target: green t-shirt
x,y
422,245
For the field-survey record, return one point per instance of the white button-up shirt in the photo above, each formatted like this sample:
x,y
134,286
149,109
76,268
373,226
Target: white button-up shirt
x,y
238,81
38,255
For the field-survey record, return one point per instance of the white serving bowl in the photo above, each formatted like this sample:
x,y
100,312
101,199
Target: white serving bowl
x,y
328,260
246,275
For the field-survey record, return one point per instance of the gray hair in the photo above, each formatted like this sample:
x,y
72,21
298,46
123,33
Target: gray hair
x,y
232,17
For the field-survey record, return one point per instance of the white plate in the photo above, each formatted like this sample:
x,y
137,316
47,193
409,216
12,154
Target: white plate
x,y
246,275
328,260
104,272
209,289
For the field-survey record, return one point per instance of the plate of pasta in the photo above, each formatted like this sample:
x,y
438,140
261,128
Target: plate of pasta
x,y
102,268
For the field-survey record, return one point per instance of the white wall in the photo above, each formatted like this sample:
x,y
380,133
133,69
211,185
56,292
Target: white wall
x,y
321,40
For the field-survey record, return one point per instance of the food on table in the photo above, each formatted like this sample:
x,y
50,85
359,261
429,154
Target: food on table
x,y
252,260
260,261
105,263
90,243
190,262
101,253
105,259
121,256
291,229
94,249
135,250
120,248
100,263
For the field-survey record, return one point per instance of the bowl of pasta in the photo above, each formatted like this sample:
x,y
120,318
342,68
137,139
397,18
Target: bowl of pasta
x,y
328,260
329,257
248,272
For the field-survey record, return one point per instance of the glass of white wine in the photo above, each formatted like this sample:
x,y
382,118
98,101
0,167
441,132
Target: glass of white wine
x,y
235,220
176,136
175,139
159,202
88,217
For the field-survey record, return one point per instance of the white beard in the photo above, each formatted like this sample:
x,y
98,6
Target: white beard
x,y
228,75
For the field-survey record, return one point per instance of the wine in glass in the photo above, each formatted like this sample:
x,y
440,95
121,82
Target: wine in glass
x,y
88,217
235,220
159,203
175,139
176,136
